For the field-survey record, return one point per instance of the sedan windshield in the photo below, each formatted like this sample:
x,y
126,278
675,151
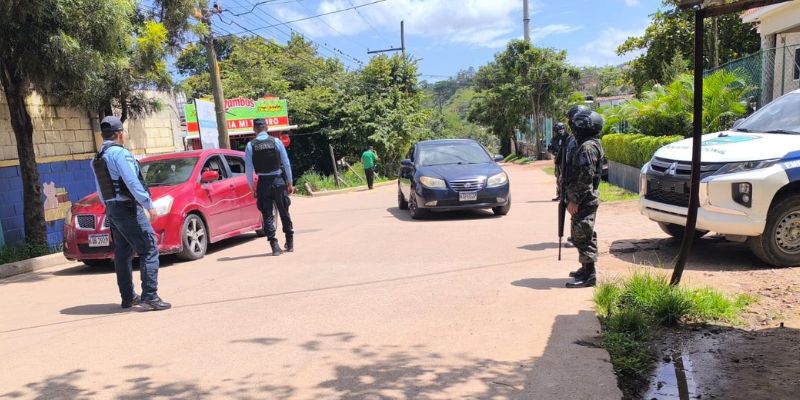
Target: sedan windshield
x,y
780,116
453,153
168,172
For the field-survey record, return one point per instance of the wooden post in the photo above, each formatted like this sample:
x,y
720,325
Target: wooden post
x,y
333,161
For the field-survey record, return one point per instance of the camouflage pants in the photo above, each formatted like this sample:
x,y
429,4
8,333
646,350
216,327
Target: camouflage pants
x,y
557,170
583,235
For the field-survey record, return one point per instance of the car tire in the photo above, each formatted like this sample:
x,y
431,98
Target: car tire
x,y
677,231
504,209
97,263
194,236
413,209
401,200
779,245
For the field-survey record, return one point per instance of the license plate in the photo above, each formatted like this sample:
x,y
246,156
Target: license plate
x,y
99,240
468,196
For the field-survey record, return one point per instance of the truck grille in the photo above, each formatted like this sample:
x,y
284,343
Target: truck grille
x,y
467,185
682,169
86,222
668,192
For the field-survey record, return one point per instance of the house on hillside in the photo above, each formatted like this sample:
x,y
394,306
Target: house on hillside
x,y
779,27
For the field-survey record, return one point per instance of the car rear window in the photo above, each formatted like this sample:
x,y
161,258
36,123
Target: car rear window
x,y
168,172
452,153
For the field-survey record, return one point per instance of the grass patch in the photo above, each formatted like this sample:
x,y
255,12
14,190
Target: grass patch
x,y
320,183
510,158
609,193
632,310
14,253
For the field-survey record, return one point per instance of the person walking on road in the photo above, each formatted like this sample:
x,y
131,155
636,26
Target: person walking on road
x,y
585,165
266,157
368,159
129,211
558,145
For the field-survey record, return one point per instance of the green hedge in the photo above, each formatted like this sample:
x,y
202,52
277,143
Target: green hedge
x,y
634,149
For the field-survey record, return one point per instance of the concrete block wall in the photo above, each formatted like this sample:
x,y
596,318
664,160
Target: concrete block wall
x,y
784,63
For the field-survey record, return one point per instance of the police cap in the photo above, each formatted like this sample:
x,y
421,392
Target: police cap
x,y
111,124
258,122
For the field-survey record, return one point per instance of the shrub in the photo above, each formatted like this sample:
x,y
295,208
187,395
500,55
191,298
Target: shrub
x,y
634,149
14,253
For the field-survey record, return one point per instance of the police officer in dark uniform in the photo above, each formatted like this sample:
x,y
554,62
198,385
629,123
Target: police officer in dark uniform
x,y
585,166
129,210
266,157
558,143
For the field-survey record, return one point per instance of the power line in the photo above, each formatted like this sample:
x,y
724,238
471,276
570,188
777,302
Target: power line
x,y
329,25
365,20
324,14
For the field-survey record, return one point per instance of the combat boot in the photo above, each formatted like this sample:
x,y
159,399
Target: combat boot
x,y
577,273
276,248
289,246
588,279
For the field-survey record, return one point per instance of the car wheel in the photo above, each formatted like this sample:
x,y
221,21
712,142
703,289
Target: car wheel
x,y
677,231
414,210
195,238
502,210
97,263
401,200
779,245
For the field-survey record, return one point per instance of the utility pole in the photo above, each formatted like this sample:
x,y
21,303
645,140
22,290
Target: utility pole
x,y
213,69
526,20
402,47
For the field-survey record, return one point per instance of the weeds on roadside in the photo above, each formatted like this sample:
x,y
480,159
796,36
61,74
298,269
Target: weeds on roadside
x,y
350,178
14,253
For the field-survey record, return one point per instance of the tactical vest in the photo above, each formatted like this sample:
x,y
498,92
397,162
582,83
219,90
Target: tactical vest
x,y
266,157
111,188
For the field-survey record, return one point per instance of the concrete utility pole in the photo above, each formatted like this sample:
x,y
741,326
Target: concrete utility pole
x,y
213,69
402,47
526,19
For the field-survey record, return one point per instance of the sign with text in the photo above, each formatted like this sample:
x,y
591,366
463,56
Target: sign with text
x,y
206,120
240,112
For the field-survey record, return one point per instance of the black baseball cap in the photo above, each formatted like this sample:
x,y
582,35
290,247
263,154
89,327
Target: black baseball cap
x,y
111,124
259,122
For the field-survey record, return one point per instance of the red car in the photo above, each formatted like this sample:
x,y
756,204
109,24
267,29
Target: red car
x,y
201,197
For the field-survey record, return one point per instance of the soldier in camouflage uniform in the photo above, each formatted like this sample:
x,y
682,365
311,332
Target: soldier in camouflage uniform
x,y
584,165
558,144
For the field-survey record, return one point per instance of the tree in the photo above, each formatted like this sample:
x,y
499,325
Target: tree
x,y
672,32
604,81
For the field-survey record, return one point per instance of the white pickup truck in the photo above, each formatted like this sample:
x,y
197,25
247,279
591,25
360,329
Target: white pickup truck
x,y
749,188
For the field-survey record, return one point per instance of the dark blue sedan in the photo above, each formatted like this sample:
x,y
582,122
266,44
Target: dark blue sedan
x,y
452,174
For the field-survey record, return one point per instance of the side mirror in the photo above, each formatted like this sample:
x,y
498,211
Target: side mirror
x,y
407,163
499,158
738,122
209,176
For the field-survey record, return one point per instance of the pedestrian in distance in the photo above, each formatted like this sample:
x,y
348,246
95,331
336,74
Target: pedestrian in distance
x,y
266,157
129,211
368,160
584,166
558,145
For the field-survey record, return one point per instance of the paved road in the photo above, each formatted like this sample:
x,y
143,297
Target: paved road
x,y
372,305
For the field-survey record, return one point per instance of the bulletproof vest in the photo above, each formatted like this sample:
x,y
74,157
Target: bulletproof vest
x,y
595,142
266,157
110,188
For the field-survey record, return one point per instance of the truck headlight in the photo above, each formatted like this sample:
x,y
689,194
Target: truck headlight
x,y
163,205
742,193
497,180
732,168
432,183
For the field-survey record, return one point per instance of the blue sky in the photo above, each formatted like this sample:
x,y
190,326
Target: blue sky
x,y
446,35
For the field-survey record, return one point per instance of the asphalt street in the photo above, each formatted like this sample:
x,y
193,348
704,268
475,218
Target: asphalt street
x,y
371,305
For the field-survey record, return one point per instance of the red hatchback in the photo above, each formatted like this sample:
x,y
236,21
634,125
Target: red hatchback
x,y
201,197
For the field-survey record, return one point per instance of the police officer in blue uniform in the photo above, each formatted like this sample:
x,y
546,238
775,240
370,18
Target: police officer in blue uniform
x,y
129,210
266,157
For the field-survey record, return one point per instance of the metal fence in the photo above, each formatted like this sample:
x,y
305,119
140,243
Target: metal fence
x,y
773,72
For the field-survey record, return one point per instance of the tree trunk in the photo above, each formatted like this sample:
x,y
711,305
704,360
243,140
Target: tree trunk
x,y
33,212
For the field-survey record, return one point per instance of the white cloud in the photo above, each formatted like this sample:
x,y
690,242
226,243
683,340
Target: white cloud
x,y
480,23
540,33
603,50
632,3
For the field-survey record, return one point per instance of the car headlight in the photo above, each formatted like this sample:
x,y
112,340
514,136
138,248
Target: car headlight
x,y
163,205
432,183
732,168
497,180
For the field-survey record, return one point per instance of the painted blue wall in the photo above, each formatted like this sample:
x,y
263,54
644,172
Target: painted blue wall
x,y
74,176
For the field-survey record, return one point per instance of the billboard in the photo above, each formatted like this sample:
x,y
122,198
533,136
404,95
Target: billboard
x,y
206,121
240,112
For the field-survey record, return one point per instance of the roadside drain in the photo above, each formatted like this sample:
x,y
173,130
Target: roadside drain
x,y
673,379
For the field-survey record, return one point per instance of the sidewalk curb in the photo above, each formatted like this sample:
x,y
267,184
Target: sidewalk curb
x,y
352,189
32,264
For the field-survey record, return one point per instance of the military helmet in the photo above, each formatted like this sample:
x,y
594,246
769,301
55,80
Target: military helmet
x,y
589,121
559,127
574,110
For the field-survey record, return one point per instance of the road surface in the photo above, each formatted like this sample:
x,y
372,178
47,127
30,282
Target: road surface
x,y
372,305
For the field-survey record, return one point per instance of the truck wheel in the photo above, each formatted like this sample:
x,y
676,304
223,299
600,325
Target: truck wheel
x,y
779,245
677,231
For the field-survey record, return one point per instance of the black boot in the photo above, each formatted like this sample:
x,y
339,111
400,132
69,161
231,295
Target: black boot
x,y
587,279
276,248
578,272
289,246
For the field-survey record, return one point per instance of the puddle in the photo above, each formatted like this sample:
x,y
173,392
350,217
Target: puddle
x,y
673,379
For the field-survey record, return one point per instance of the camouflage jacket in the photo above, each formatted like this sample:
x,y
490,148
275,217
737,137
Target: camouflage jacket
x,y
585,165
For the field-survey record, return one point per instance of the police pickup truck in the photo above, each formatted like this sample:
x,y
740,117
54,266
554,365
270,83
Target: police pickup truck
x,y
749,187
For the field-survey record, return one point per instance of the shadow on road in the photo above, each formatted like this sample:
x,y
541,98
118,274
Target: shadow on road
x,y
224,259
545,246
708,254
264,341
541,283
542,201
98,309
465,215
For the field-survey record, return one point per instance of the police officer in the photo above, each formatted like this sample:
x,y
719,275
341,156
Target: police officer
x,y
581,186
266,157
558,143
129,210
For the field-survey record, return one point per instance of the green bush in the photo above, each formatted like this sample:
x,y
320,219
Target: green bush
x,y
634,149
349,178
14,253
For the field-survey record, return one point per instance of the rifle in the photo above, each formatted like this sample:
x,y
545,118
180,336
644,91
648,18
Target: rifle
x,y
562,200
